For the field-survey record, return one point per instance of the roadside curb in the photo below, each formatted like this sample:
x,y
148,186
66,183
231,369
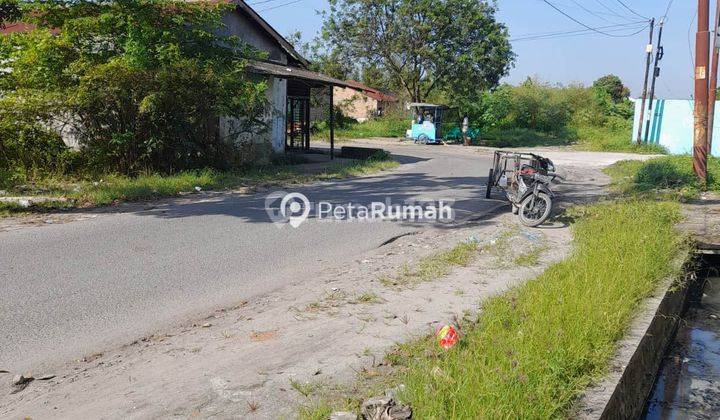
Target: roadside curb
x,y
622,393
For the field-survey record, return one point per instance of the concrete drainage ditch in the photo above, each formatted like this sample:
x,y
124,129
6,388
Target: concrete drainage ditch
x,y
668,365
688,381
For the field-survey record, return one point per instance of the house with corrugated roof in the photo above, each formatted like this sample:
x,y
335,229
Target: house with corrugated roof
x,y
362,102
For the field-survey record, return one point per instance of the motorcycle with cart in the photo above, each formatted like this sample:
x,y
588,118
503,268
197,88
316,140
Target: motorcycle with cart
x,y
525,179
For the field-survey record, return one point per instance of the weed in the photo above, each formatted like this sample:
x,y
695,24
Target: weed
x,y
530,258
433,266
366,298
306,389
667,176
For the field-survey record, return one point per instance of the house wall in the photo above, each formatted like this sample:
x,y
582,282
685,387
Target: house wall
x,y
238,24
256,147
354,104
277,101
671,125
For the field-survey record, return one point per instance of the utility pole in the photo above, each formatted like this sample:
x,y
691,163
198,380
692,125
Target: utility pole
x,y
656,73
702,52
649,50
713,77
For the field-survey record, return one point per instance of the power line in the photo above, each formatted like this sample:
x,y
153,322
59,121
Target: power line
x,y
596,12
667,10
279,5
690,45
255,3
631,10
611,10
581,32
579,22
597,15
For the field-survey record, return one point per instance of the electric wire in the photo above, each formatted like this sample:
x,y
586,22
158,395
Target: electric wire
x,y
631,10
581,23
611,10
581,32
280,5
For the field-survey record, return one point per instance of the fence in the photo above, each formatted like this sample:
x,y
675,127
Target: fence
x,y
671,125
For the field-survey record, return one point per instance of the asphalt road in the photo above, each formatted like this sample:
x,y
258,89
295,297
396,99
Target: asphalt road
x,y
72,289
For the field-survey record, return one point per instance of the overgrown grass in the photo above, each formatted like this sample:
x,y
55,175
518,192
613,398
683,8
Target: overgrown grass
x,y
530,258
111,189
667,175
434,266
534,349
581,136
389,126
610,139
519,137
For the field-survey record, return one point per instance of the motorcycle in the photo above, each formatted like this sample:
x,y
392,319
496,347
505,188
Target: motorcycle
x,y
525,179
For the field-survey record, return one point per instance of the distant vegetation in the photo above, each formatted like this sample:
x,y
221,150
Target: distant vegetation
x,y
533,113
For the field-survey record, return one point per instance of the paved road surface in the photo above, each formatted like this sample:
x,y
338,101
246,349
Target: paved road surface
x,y
73,289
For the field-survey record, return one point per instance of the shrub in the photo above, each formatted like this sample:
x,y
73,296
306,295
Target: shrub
x,y
142,83
28,145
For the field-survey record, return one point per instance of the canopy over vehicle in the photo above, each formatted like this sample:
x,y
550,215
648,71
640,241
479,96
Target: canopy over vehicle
x,y
430,122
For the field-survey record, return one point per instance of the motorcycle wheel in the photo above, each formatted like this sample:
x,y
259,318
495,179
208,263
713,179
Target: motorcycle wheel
x,y
540,211
488,189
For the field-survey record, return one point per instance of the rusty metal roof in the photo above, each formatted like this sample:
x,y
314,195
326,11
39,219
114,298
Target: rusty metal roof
x,y
290,72
371,92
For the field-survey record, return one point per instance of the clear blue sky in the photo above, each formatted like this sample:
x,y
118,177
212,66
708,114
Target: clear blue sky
x,y
567,59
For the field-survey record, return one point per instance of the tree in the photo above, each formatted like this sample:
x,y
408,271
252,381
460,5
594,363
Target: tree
x,y
322,60
140,82
613,86
455,46
9,12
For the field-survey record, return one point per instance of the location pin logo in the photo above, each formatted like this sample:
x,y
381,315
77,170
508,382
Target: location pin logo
x,y
295,208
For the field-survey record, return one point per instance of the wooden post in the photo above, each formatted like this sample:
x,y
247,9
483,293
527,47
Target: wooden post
x,y
713,78
292,123
332,125
702,58
307,123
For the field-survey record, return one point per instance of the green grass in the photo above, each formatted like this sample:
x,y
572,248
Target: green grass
x,y
434,266
390,126
581,137
611,139
530,258
366,298
532,350
111,189
519,137
667,175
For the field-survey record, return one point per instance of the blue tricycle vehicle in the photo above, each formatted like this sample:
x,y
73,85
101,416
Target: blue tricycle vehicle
x,y
430,122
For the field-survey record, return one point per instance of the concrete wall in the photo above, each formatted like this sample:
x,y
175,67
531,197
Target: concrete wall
x,y
277,103
256,147
671,125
